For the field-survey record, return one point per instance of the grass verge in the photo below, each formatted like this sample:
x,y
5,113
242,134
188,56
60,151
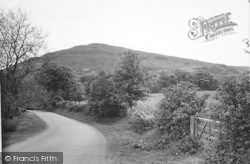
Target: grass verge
x,y
28,125
120,140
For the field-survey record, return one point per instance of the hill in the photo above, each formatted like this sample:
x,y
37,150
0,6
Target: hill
x,y
87,59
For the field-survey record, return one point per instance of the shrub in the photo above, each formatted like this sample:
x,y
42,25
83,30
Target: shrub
x,y
166,80
142,118
233,112
9,125
109,95
186,146
102,100
205,81
78,108
173,116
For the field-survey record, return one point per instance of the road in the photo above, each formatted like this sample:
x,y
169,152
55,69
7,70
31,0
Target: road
x,y
79,142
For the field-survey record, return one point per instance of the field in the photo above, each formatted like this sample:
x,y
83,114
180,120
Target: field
x,y
154,99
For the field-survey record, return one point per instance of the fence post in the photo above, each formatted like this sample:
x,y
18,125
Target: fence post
x,y
195,127
192,126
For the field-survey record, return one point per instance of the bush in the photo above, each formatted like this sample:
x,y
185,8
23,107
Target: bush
x,y
173,116
166,80
102,100
142,118
205,81
233,112
186,146
9,125
78,108
109,95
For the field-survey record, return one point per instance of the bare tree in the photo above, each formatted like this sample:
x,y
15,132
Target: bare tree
x,y
247,42
19,41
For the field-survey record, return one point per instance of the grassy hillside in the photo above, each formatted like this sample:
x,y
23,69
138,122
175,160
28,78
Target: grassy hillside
x,y
91,58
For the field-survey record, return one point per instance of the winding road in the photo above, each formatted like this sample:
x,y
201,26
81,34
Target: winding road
x,y
79,142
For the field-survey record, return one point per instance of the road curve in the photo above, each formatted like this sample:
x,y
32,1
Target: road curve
x,y
79,142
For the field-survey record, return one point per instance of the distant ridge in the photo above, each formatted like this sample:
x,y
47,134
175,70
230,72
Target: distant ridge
x,y
95,57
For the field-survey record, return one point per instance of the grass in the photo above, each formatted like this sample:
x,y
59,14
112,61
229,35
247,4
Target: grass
x,y
121,140
28,125
211,98
97,57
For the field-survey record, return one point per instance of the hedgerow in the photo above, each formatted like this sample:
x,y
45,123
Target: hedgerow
x,y
175,109
141,118
233,111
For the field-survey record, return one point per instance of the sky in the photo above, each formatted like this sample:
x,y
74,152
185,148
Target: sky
x,y
159,26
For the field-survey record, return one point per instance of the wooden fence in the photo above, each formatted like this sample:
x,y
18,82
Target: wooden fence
x,y
204,129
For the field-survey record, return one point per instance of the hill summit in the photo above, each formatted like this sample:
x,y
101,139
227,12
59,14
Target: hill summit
x,y
92,58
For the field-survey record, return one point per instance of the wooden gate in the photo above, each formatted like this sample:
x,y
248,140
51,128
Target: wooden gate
x,y
204,129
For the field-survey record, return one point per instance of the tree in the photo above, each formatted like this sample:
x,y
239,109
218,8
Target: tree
x,y
58,80
205,81
19,41
183,76
111,94
130,79
101,96
166,80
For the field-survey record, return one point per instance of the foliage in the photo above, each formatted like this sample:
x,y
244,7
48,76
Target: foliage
x,y
58,80
152,82
186,146
78,108
166,80
102,101
109,95
183,76
173,116
141,118
31,94
87,78
205,81
130,79
233,111
9,125
19,41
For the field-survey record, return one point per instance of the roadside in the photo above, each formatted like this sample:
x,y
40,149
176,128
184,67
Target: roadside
x,y
79,142
118,133
120,141
28,125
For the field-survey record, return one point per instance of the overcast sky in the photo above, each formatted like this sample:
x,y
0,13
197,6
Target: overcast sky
x,y
159,26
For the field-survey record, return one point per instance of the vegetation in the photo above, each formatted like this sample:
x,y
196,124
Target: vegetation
x,y
27,125
19,41
202,80
233,112
166,80
59,82
93,58
130,79
111,94
205,81
101,98
142,118
175,109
